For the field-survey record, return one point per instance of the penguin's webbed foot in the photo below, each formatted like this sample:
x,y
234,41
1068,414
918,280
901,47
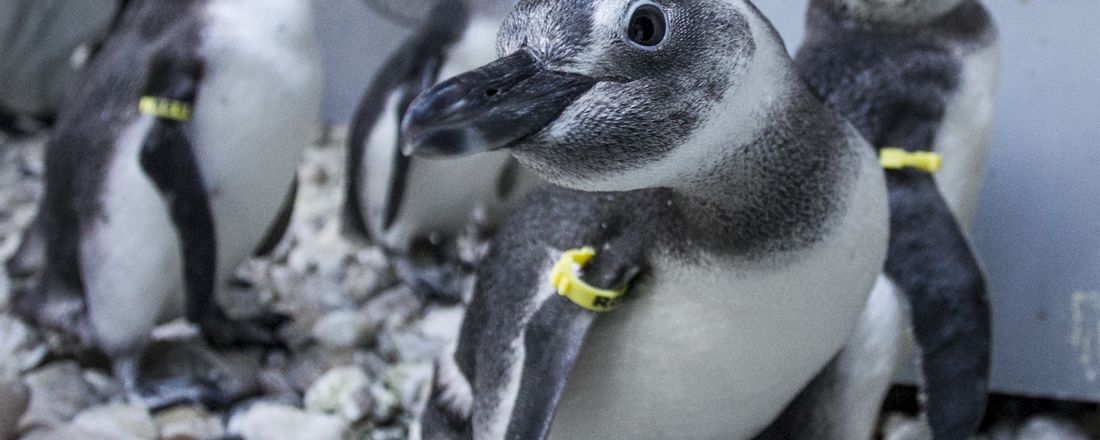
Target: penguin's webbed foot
x,y
221,331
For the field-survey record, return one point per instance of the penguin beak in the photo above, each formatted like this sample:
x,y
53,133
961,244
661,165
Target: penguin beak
x,y
489,108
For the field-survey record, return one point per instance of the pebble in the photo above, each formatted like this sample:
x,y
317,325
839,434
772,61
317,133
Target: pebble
x,y
268,421
58,392
188,423
386,404
410,383
343,329
14,399
1050,428
343,391
115,422
899,426
17,347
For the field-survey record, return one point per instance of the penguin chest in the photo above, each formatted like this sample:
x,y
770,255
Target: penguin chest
x,y
964,134
710,348
256,111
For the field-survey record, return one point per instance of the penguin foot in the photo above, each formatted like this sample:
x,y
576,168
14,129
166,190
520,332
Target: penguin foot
x,y
221,331
440,283
453,393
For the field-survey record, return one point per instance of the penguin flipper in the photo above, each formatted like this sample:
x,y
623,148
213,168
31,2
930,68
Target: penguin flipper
x,y
555,335
278,229
410,71
931,261
168,159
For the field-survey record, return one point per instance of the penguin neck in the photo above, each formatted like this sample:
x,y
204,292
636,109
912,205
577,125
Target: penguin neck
x,y
859,14
777,189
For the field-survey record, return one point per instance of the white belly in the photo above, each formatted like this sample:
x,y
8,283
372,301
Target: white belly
x,y
964,137
130,257
717,351
257,110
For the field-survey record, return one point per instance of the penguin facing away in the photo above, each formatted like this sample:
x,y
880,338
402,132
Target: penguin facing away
x,y
399,201
168,165
921,76
748,222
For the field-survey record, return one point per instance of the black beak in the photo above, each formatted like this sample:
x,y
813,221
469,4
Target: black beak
x,y
489,108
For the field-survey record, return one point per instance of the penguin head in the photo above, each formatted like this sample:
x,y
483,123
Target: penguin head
x,y
598,95
898,12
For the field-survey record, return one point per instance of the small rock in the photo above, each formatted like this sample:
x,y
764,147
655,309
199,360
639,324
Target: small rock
x,y
1050,428
186,423
267,421
442,323
391,307
116,422
388,433
343,391
58,392
309,364
386,405
402,346
410,383
17,347
14,398
343,329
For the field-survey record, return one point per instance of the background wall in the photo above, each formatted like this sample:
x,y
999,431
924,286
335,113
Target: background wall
x,y
1038,223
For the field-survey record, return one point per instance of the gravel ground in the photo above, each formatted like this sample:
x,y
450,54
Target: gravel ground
x,y
360,342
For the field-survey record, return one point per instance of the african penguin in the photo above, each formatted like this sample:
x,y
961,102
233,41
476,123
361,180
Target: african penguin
x,y
398,200
921,75
748,222
170,163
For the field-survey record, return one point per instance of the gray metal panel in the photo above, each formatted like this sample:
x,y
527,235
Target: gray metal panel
x,y
1038,224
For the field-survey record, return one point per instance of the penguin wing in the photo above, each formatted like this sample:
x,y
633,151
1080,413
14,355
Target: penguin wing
x,y
411,70
512,282
279,226
931,261
930,258
168,159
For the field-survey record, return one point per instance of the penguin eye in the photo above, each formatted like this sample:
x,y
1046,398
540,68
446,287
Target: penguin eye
x,y
647,25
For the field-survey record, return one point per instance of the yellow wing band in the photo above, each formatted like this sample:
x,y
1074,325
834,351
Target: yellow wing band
x,y
165,108
565,277
897,158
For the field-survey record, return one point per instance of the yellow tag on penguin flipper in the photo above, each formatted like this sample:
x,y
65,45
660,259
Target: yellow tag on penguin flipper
x,y
165,108
565,277
897,158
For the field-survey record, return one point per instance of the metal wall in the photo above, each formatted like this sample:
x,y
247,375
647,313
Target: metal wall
x,y
1038,222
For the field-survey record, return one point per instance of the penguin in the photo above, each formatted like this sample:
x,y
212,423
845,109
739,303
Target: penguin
x,y
167,168
921,76
691,169
403,202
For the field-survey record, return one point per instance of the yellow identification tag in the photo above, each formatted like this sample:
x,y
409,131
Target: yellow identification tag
x,y
897,158
565,277
165,108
